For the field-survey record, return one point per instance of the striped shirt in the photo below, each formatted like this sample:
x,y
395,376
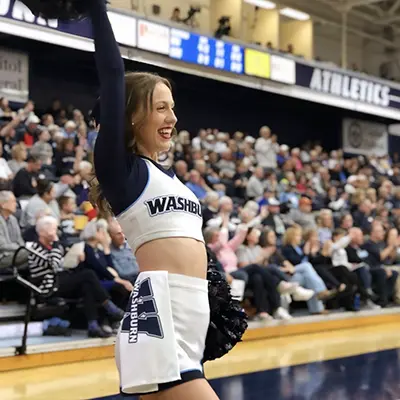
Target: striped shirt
x,y
44,265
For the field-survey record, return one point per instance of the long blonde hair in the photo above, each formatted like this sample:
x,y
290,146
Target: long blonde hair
x,y
290,233
139,89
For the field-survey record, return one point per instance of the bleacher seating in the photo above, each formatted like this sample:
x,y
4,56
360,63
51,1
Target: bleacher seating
x,y
249,186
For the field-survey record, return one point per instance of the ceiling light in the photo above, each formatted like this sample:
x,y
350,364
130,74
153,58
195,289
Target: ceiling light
x,y
295,14
268,5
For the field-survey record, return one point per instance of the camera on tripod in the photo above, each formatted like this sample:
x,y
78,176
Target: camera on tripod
x,y
192,11
190,15
224,27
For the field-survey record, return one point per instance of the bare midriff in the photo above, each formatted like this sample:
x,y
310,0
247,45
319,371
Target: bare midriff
x,y
177,255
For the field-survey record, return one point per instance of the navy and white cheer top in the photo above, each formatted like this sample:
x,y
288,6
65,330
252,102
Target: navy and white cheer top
x,y
165,208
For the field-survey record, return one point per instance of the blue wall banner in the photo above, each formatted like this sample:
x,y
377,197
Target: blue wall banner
x,y
202,50
361,88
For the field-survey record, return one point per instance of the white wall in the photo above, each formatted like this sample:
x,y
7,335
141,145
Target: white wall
x,y
145,7
126,4
328,46
299,34
261,26
375,55
366,54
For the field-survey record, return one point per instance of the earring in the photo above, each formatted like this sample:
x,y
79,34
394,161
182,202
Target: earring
x,y
133,123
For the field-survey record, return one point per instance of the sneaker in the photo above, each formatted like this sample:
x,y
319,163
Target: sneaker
x,y
287,287
263,316
107,328
374,297
98,333
370,305
302,294
286,300
327,294
281,313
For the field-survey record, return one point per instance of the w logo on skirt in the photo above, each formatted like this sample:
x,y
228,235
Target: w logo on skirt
x,y
142,316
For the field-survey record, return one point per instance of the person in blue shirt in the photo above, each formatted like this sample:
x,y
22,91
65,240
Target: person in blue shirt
x,y
196,184
121,253
101,262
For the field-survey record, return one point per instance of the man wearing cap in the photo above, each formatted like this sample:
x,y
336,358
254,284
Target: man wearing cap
x,y
303,216
69,132
283,154
273,219
31,130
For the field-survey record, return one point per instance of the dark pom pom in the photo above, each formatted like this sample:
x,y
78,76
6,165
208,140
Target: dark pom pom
x,y
228,321
64,10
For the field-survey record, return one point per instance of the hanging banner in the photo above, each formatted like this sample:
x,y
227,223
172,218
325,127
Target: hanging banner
x,y
361,88
365,137
14,75
153,37
124,28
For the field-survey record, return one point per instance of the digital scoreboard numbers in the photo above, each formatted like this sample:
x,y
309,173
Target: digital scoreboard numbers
x,y
209,52
229,57
203,50
236,57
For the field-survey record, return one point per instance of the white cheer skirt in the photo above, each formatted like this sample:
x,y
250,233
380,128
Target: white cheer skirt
x,y
161,339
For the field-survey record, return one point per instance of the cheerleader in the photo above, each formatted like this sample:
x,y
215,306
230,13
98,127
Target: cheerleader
x,y
173,322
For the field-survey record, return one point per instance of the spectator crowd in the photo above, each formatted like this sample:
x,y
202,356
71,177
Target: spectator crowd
x,y
284,225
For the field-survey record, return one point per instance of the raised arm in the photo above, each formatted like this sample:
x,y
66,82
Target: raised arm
x,y
342,243
238,239
109,156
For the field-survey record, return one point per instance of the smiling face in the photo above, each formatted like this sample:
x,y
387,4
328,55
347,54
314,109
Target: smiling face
x,y
151,119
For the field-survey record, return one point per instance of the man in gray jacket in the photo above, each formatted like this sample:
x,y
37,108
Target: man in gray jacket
x,y
303,216
10,233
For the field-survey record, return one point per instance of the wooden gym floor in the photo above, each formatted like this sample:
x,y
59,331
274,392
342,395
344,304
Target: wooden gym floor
x,y
303,366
